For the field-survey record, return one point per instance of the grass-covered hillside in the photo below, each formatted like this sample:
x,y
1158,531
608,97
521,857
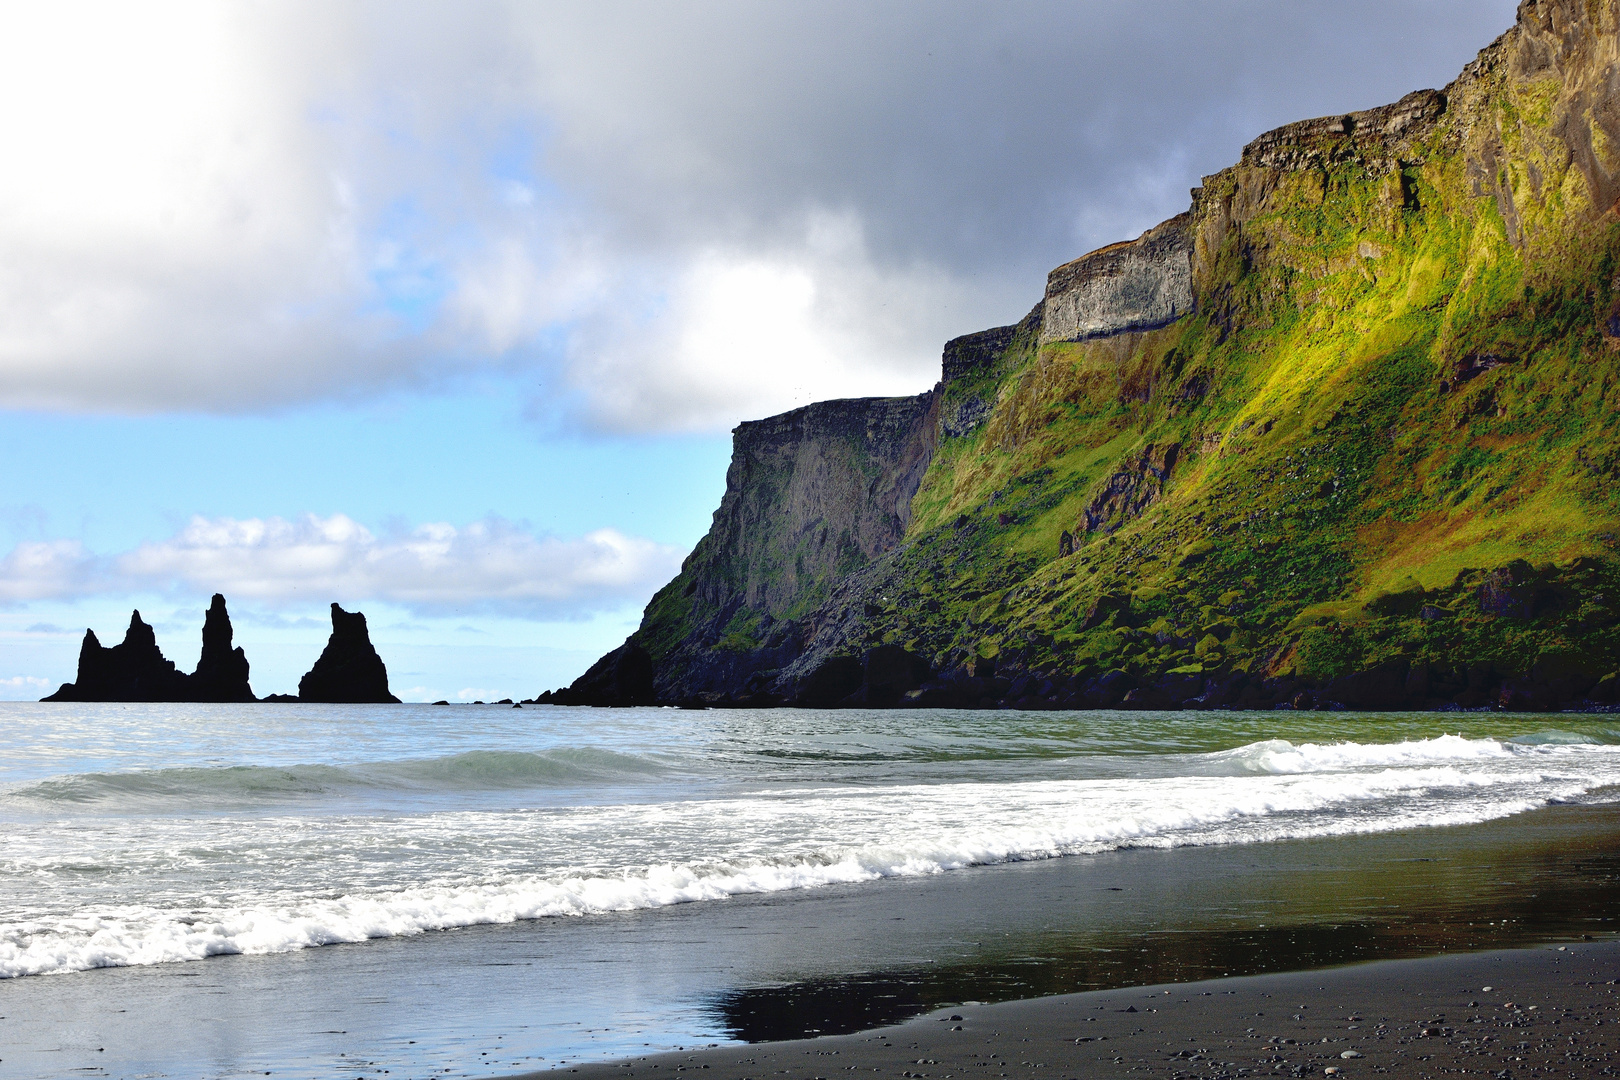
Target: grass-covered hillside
x,y
1377,464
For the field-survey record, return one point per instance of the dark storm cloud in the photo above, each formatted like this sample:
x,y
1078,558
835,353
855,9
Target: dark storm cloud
x,y
986,138
668,216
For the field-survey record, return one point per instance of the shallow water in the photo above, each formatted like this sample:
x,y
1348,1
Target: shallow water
x,y
148,838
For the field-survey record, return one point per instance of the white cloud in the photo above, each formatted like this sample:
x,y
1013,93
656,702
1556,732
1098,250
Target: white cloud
x,y
490,567
46,570
747,334
233,207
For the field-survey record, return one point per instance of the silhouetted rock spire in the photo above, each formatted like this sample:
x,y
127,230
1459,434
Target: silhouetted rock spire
x,y
133,670
349,670
222,672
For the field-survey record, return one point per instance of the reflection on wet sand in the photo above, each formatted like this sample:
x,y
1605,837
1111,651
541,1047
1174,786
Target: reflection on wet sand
x,y
1550,875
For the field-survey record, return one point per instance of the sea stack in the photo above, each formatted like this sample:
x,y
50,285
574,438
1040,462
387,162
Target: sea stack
x,y
134,670
222,672
349,670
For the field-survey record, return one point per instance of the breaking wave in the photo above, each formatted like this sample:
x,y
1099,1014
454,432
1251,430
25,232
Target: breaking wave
x,y
477,770
776,840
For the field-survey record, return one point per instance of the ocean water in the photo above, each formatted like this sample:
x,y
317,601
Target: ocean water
x,y
162,840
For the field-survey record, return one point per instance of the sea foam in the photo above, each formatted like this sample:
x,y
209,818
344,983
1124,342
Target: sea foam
x,y
1278,756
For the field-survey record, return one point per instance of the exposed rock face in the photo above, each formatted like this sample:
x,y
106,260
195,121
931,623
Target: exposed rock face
x,y
135,669
818,491
1132,489
968,368
1359,137
811,495
349,670
974,354
222,672
1138,285
962,418
878,680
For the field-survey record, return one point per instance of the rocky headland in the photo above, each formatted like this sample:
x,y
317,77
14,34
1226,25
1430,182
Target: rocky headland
x,y
1338,436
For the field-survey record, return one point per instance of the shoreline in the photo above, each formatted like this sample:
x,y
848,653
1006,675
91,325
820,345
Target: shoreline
x,y
754,970
1550,1011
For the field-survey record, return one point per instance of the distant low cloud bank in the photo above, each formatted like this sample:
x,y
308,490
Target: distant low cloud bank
x,y
492,567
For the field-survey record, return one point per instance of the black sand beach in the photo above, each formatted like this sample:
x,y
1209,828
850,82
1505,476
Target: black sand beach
x,y
1508,1014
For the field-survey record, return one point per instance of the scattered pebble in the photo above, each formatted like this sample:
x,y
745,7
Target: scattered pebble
x,y
1414,1027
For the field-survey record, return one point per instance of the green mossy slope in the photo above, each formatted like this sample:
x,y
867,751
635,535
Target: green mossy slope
x,y
1400,378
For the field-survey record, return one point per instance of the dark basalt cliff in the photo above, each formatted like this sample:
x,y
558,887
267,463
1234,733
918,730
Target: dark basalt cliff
x,y
135,669
1340,435
349,671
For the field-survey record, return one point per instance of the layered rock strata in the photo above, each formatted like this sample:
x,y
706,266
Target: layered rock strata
x,y
1141,284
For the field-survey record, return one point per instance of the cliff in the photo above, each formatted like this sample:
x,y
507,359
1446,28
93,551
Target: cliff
x,y
136,670
1141,284
1340,435
811,496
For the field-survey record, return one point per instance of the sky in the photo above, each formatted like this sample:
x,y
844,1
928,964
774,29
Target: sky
x,y
444,312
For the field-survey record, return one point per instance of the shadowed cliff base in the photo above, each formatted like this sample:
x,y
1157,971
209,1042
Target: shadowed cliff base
x,y
1340,435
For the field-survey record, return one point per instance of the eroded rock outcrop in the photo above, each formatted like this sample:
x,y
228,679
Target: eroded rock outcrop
x,y
133,670
622,677
1141,284
222,671
1132,489
349,670
136,670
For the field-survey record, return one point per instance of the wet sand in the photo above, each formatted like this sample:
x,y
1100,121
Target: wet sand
x,y
1509,1014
